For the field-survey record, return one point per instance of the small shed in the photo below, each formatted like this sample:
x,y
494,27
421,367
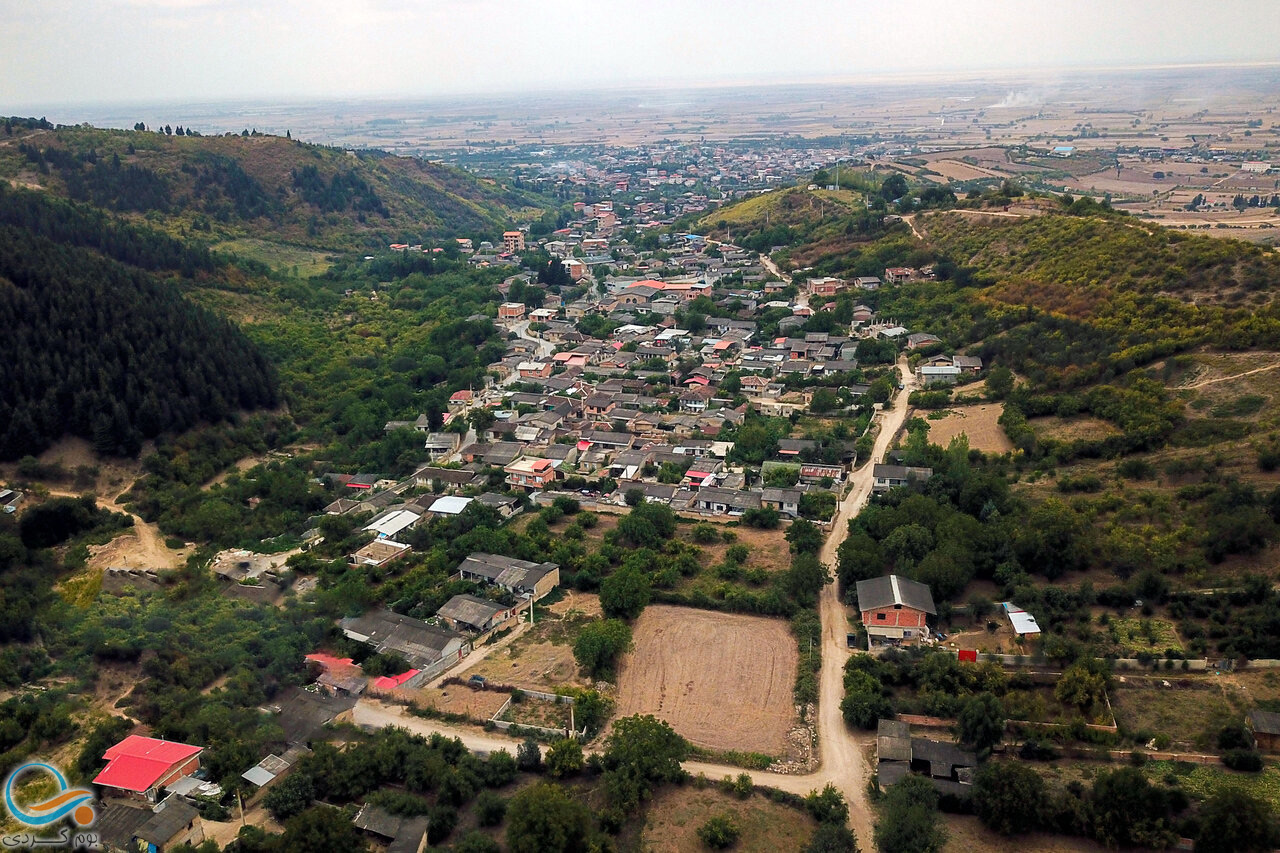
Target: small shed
x,y
1265,726
1024,624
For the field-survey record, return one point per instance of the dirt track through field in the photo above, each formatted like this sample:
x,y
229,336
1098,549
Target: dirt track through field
x,y
722,680
1218,379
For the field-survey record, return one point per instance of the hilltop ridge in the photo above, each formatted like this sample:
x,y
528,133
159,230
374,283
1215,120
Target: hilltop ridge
x,y
224,187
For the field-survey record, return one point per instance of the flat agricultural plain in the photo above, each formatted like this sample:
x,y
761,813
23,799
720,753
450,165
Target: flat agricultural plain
x,y
722,680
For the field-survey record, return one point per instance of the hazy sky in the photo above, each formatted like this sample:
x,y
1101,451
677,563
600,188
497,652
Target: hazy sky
x,y
118,51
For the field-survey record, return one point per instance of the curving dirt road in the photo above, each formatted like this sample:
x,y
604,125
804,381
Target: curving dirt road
x,y
842,753
141,547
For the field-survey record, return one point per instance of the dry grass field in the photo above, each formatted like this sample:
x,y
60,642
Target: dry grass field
x,y
1069,429
1191,711
479,705
966,834
769,548
673,818
979,423
542,657
722,680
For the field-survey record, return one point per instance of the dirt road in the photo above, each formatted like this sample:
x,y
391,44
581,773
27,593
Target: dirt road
x,y
370,713
842,754
842,760
767,263
142,547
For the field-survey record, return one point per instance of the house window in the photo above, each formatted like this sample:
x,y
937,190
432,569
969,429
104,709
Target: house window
x,y
880,616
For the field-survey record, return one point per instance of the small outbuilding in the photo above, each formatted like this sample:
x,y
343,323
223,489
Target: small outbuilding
x,y
1265,726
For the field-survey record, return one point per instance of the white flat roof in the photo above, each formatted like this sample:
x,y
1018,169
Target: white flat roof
x,y
1022,621
394,523
451,505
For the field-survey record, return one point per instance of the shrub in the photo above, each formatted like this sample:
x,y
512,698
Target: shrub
x,y
490,808
1247,760
529,756
719,833
705,534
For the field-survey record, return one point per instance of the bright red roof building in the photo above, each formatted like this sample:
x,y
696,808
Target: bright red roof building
x,y
141,763
391,682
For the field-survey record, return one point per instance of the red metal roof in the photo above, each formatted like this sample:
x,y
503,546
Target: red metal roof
x,y
136,763
329,661
390,682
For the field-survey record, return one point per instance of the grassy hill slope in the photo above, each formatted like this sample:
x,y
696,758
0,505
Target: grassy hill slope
x,y
225,187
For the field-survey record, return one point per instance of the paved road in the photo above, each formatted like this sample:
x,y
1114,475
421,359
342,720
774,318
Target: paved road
x,y
841,752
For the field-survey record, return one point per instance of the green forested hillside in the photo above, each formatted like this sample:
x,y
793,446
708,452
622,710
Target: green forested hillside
x,y
104,350
219,187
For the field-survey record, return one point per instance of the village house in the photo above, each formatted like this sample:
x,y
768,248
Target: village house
x,y
892,476
518,577
441,444
916,340
379,553
784,501
949,768
424,647
894,610
511,311
505,505
394,521
1265,726
814,472
169,825
530,473
725,501
930,375
534,369
421,424
825,286
395,834
467,613
139,766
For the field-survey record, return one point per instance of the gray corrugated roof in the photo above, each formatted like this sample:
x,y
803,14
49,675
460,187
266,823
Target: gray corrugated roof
x,y
375,820
117,823
419,643
893,741
170,818
506,571
893,589
469,610
410,837
1265,722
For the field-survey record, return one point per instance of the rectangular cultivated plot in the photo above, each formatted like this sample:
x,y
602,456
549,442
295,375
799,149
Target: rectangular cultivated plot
x,y
724,681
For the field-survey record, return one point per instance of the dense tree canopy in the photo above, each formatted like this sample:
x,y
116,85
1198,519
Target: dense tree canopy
x,y
110,353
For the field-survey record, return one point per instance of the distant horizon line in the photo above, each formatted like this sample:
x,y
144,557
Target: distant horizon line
x,y
639,87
